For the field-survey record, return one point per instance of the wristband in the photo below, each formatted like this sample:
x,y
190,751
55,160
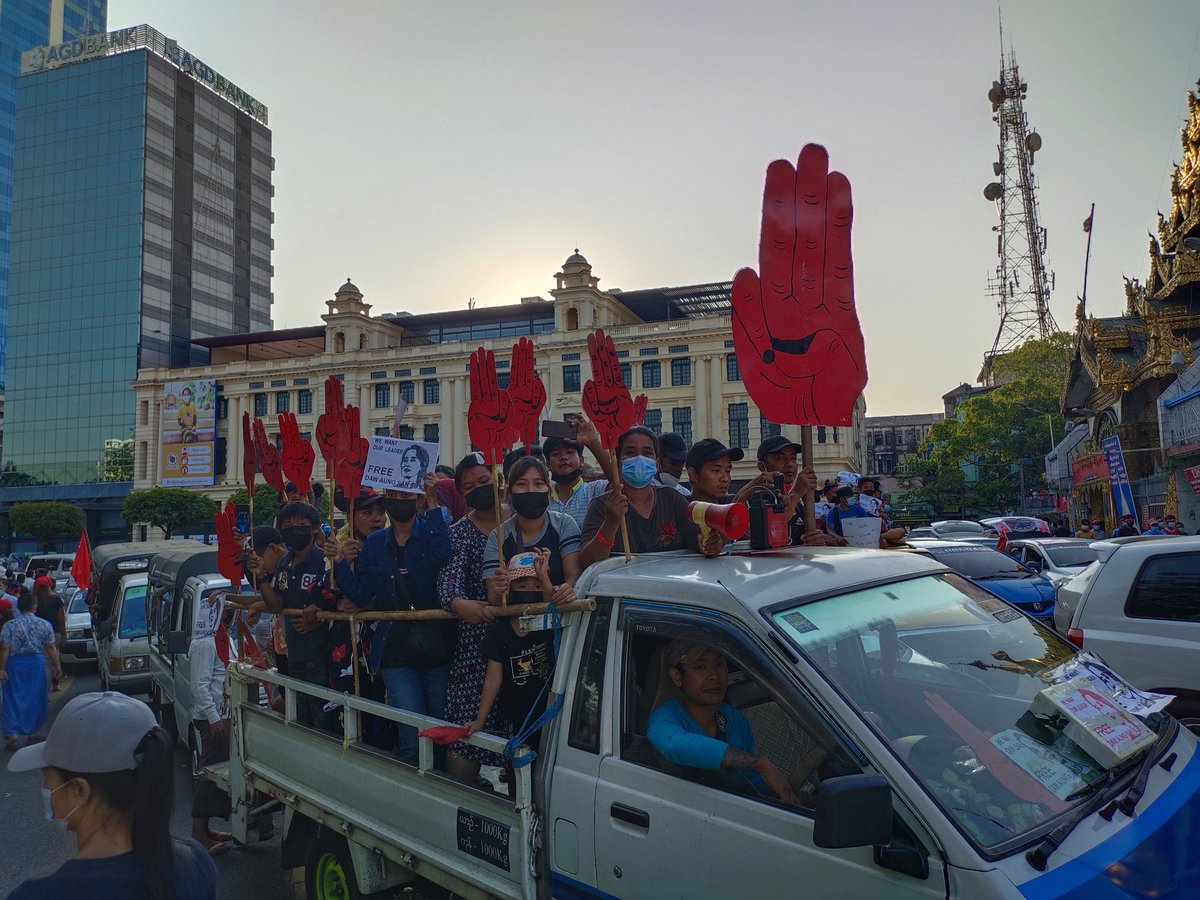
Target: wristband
x,y
605,541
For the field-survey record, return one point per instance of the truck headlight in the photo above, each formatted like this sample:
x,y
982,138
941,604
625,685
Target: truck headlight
x,y
75,634
136,663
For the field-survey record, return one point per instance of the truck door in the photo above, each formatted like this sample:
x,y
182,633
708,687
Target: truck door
x,y
181,662
666,830
582,742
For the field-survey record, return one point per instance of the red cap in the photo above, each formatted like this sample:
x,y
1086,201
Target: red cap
x,y
44,581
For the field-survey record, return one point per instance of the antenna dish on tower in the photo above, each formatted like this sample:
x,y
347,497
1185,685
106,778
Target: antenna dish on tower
x,y
993,191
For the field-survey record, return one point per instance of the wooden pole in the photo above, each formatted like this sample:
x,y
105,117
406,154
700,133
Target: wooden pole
x,y
806,460
421,615
499,528
612,455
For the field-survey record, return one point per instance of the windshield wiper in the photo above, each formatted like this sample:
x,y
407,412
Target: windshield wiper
x,y
1040,855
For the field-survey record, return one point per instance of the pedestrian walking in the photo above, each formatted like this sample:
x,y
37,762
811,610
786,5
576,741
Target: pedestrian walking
x,y
23,640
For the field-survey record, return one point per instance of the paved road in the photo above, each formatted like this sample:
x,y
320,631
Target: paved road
x,y
32,847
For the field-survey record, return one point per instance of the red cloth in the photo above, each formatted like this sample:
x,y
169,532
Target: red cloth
x,y
81,568
449,497
43,581
444,735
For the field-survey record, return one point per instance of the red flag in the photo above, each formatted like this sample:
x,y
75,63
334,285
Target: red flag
x,y
81,569
1087,224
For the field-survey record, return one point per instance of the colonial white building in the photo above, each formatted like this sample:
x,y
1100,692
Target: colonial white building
x,y
675,346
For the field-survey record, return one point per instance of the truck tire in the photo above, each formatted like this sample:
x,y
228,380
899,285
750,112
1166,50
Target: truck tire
x,y
1187,711
328,869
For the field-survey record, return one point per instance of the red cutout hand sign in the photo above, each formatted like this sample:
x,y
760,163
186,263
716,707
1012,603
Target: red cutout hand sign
x,y
249,456
525,391
639,409
350,466
332,437
268,457
489,420
298,456
606,399
795,329
228,549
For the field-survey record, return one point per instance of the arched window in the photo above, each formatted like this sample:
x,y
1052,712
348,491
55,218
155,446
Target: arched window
x,y
339,343
572,319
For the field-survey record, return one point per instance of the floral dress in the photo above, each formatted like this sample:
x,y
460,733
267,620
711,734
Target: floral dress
x,y
463,577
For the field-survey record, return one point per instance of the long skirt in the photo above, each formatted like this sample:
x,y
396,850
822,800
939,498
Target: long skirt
x,y
25,700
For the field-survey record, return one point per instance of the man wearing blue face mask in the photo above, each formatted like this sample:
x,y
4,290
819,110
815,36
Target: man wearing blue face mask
x,y
847,508
655,516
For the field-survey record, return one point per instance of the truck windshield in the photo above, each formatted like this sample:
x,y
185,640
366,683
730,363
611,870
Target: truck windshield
x,y
133,612
948,673
1069,556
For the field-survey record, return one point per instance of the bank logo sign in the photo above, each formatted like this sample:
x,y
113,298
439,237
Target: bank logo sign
x,y
40,59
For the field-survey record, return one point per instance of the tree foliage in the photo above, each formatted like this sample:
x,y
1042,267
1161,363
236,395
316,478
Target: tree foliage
x,y
266,501
46,520
981,454
170,509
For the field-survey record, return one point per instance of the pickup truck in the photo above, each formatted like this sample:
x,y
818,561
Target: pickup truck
x,y
895,697
180,579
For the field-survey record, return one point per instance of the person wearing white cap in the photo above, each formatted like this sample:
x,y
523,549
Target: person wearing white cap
x,y
107,776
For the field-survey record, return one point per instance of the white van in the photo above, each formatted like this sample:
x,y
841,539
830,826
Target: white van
x,y
51,562
122,648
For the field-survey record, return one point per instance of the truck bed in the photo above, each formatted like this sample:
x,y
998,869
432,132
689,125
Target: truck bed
x,y
395,817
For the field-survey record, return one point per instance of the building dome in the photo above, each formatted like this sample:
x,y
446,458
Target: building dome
x,y
349,287
576,259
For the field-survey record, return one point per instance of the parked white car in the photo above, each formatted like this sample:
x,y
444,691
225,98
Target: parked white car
x,y
80,647
1138,606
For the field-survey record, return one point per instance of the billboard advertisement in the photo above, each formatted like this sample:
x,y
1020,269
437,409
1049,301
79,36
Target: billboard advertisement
x,y
187,434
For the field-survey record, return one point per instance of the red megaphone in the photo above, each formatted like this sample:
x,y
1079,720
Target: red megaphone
x,y
730,520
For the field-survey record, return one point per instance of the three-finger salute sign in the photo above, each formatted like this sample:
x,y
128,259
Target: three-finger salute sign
x,y
795,328
489,417
606,398
268,458
297,457
526,392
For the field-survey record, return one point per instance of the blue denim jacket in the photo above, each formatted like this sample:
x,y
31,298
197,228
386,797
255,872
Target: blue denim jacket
x,y
427,551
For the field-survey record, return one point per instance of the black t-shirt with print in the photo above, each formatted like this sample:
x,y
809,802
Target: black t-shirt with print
x,y
300,582
528,663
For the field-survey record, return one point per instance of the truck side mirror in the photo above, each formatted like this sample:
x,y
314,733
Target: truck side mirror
x,y
177,642
104,630
853,811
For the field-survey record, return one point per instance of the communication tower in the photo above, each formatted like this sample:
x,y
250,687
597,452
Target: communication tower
x,y
1020,285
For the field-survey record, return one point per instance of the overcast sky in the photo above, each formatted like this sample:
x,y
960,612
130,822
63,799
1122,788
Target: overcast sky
x,y
440,151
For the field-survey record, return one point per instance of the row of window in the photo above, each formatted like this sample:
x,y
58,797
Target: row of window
x,y
431,394
681,374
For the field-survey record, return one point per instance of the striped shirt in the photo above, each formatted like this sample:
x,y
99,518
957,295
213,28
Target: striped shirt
x,y
576,505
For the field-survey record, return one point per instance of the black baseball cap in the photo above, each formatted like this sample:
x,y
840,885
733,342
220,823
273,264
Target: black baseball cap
x,y
672,446
366,498
708,449
774,445
261,538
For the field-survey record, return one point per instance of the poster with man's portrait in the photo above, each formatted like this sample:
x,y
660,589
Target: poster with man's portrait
x,y
396,464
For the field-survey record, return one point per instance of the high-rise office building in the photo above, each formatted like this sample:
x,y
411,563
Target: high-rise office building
x,y
25,24
141,223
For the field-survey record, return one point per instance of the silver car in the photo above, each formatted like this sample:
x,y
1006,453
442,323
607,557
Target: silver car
x,y
1138,606
1059,559
81,643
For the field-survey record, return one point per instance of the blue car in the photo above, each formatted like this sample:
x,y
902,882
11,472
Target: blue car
x,y
1030,592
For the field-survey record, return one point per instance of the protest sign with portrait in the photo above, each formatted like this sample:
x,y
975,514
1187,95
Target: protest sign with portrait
x,y
395,464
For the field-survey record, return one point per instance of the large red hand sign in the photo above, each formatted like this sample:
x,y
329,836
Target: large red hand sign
x,y
332,436
298,457
795,330
228,549
525,391
249,456
350,466
489,417
606,399
268,457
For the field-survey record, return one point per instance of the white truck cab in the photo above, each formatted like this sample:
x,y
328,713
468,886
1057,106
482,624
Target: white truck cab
x,y
181,581
898,700
122,649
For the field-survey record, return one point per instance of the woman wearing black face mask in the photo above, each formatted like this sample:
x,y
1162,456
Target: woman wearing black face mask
x,y
398,568
535,526
462,592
